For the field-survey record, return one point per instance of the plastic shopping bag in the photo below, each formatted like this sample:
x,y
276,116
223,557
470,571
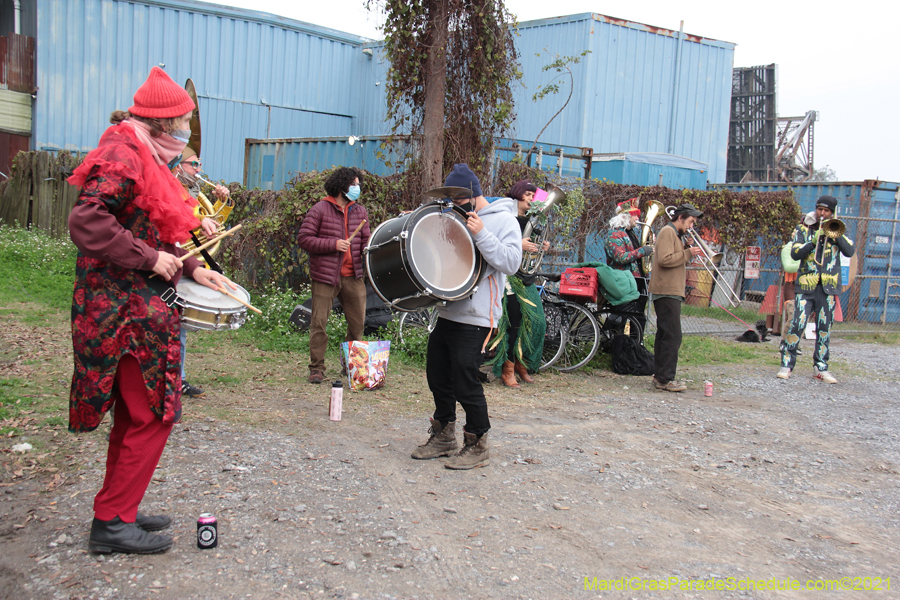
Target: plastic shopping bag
x,y
366,363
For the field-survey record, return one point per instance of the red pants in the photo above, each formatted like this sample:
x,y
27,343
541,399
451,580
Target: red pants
x,y
135,444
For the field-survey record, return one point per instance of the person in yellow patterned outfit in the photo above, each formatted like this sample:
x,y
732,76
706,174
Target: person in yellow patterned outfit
x,y
816,287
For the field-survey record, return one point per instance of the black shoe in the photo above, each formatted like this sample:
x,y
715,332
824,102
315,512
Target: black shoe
x,y
191,391
152,522
116,536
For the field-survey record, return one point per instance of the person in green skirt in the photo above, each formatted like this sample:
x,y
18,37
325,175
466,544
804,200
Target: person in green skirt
x,y
519,342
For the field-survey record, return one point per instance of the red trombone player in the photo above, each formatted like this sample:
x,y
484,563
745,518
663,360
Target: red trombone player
x,y
130,212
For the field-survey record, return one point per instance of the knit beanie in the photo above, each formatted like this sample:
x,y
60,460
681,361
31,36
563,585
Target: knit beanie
x,y
829,202
161,98
518,190
462,176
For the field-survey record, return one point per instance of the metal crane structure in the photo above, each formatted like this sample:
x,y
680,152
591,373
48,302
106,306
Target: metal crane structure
x,y
761,145
794,156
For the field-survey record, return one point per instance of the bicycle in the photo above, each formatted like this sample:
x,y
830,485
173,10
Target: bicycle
x,y
573,334
416,324
592,326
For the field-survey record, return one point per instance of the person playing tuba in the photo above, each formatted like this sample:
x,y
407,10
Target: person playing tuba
x,y
520,341
818,246
623,248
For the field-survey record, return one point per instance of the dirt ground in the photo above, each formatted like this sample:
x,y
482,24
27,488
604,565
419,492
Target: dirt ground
x,y
591,476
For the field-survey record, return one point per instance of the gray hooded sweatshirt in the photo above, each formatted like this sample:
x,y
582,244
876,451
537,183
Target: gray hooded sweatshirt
x,y
500,244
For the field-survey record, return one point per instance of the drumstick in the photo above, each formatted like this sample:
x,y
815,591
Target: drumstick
x,y
358,227
233,297
211,242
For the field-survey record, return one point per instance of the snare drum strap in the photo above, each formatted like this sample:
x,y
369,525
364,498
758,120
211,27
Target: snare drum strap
x,y
165,290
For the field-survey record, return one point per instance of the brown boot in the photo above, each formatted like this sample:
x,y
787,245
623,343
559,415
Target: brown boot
x,y
442,442
522,371
508,377
476,453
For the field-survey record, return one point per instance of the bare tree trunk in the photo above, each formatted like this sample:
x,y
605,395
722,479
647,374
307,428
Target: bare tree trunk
x,y
435,85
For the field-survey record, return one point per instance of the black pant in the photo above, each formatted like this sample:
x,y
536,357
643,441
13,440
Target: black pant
x,y
514,313
454,356
668,338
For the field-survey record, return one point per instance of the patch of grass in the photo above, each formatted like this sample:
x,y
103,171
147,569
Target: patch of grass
x,y
36,268
884,338
714,312
15,395
701,350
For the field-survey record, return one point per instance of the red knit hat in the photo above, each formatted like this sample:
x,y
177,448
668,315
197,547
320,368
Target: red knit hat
x,y
161,98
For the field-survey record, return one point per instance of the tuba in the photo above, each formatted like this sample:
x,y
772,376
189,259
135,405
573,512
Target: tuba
x,y
652,208
537,230
218,211
831,229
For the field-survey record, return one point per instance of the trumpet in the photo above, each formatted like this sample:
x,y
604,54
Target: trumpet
x,y
831,229
652,208
711,261
537,230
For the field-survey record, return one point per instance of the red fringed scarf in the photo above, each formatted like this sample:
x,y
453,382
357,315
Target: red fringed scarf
x,y
157,192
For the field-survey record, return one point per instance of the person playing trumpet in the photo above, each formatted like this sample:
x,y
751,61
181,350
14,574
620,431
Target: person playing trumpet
x,y
186,172
818,282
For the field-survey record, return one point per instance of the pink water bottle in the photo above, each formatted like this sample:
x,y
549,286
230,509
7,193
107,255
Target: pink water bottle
x,y
337,401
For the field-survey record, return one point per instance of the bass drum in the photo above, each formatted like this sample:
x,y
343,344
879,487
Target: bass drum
x,y
423,258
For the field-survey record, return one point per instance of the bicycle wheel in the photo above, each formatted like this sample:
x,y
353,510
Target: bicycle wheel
x,y
582,338
555,337
613,324
417,324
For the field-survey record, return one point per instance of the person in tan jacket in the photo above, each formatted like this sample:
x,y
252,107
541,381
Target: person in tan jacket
x,y
667,280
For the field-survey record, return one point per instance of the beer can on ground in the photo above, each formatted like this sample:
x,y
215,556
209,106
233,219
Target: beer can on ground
x,y
207,531
707,388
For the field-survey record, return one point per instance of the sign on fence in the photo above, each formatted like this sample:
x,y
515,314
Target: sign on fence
x,y
751,262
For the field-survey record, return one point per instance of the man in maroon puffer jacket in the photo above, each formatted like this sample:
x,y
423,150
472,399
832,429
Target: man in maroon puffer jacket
x,y
335,264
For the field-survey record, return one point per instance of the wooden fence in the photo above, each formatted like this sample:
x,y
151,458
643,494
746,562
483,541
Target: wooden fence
x,y
37,195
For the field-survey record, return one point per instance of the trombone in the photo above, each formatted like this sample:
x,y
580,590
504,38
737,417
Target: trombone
x,y
710,262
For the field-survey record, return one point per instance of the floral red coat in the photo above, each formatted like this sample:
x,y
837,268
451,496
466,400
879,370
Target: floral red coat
x,y
114,311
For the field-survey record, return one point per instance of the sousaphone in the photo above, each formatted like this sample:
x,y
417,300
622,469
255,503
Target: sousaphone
x,y
218,211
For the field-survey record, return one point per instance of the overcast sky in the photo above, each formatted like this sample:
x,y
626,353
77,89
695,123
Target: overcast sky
x,y
837,58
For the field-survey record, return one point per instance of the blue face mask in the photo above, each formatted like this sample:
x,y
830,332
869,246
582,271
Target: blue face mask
x,y
182,135
353,192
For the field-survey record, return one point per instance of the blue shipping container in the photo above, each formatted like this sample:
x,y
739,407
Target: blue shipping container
x,y
870,209
649,169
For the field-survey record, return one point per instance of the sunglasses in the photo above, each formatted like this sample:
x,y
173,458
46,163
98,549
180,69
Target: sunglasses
x,y
194,163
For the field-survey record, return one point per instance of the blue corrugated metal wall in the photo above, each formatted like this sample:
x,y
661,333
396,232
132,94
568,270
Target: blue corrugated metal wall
x,y
256,75
623,89
271,164
262,76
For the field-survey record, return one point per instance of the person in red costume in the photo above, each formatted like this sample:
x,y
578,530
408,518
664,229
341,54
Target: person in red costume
x,y
130,212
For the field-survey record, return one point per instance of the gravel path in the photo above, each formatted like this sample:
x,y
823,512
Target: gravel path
x,y
606,479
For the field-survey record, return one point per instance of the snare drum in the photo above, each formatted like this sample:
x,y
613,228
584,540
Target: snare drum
x,y
205,308
424,257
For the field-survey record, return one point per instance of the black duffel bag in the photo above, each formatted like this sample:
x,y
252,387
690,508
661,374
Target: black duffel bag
x,y
631,358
